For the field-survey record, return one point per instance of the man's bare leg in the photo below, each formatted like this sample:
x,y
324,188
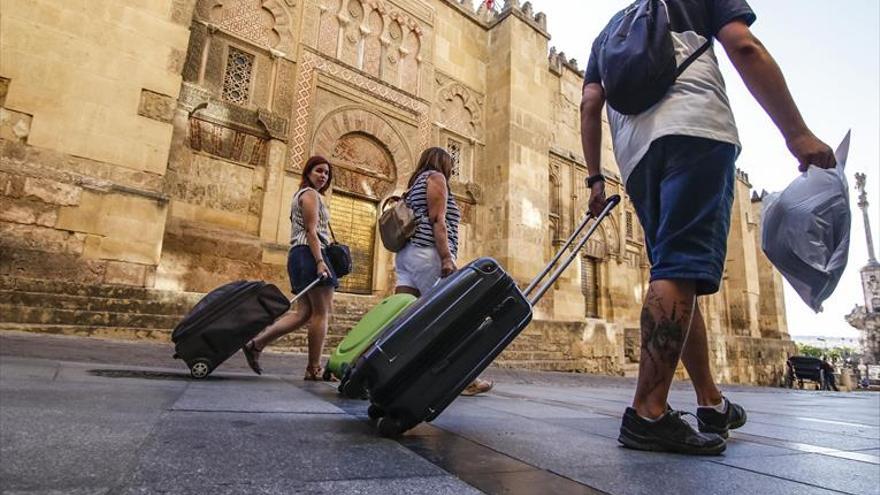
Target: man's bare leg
x,y
666,315
695,357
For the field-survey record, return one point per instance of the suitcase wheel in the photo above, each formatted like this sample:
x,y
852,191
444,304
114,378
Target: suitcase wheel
x,y
327,376
200,368
375,412
389,427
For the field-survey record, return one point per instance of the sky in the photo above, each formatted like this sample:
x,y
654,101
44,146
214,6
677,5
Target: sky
x,y
830,55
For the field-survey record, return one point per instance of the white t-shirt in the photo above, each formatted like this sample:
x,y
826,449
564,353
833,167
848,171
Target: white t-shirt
x,y
697,104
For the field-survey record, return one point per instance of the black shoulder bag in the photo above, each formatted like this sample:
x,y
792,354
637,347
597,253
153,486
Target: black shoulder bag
x,y
339,256
637,58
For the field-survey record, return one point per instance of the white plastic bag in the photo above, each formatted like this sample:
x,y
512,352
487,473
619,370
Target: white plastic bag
x,y
805,231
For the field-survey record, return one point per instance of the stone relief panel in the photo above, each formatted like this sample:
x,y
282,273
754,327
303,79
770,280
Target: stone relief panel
x,y
368,150
391,61
459,108
363,166
265,23
375,37
352,18
328,33
284,91
227,143
410,62
372,46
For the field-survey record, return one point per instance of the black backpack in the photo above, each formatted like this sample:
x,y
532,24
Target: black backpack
x,y
637,58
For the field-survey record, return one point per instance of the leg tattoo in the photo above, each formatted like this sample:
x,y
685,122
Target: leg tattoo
x,y
663,334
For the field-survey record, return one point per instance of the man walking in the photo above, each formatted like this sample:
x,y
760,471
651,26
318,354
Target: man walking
x,y
677,161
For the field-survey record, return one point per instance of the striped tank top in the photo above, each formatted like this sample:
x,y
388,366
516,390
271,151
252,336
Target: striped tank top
x,y
417,199
298,235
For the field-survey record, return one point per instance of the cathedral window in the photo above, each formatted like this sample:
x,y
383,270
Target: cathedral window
x,y
590,286
237,79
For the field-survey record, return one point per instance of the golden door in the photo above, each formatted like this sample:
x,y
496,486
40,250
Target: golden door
x,y
354,223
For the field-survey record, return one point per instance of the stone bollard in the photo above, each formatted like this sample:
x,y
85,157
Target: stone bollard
x,y
846,382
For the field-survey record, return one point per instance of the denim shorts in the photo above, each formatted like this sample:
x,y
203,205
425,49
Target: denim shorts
x,y
303,270
417,267
682,190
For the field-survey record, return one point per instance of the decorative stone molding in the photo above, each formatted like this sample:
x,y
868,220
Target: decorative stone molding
x,y
274,124
367,148
459,108
375,37
263,123
248,20
312,64
224,142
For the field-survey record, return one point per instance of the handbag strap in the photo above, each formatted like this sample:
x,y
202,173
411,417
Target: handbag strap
x,y
694,56
388,200
331,233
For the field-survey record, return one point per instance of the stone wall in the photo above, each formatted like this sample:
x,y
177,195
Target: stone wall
x,y
88,92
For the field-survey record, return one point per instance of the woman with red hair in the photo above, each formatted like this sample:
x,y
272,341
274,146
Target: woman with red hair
x,y
306,261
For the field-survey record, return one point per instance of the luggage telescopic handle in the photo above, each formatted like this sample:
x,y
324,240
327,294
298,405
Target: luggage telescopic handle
x,y
308,288
609,205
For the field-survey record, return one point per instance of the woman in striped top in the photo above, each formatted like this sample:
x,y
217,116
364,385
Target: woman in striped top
x,y
306,261
430,253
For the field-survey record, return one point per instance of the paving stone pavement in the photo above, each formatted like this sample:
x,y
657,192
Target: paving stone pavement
x,y
89,416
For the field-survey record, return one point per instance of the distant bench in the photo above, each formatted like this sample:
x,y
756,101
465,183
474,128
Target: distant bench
x,y
805,368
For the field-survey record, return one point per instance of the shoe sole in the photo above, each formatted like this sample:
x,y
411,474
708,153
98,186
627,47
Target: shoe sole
x,y
630,441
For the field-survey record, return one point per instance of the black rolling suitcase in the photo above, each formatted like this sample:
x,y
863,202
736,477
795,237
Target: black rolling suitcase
x,y
443,341
225,320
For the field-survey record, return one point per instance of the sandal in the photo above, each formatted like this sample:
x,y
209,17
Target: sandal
x,y
252,354
313,374
478,386
318,374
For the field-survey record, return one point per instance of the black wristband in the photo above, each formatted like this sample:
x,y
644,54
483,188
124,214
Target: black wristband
x,y
593,179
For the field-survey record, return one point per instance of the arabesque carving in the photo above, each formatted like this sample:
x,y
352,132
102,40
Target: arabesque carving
x,y
266,23
311,63
459,108
368,35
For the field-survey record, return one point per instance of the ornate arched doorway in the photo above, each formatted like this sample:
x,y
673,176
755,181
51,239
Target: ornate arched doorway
x,y
366,153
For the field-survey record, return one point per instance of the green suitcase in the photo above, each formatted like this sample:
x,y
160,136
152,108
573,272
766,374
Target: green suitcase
x,y
365,332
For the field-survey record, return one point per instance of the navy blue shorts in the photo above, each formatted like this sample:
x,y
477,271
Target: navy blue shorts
x,y
303,270
682,190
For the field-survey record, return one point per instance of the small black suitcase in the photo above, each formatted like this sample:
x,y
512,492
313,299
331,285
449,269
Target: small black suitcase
x,y
443,341
226,319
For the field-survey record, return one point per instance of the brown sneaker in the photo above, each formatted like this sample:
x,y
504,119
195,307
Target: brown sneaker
x,y
478,386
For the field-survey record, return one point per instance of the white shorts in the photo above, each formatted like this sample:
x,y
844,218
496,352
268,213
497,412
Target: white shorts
x,y
417,267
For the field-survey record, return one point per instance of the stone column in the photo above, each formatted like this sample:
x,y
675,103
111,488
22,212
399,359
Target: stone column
x,y
518,123
743,287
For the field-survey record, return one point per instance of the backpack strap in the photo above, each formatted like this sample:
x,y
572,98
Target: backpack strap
x,y
694,56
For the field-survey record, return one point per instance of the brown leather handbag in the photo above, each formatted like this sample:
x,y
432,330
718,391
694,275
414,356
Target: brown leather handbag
x,y
397,224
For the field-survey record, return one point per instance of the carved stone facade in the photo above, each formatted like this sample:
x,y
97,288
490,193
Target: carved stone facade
x,y
180,179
